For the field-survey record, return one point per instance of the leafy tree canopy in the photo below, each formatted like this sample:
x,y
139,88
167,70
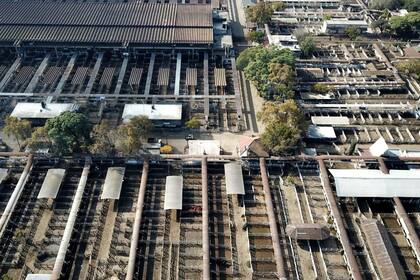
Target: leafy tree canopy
x,y
307,47
130,136
19,129
280,138
260,13
411,66
261,65
287,112
103,139
256,36
69,132
405,26
193,123
385,4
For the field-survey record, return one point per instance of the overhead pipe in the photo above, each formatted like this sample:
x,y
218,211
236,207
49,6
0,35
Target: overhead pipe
x,y
402,215
272,222
345,241
65,241
137,221
11,204
205,214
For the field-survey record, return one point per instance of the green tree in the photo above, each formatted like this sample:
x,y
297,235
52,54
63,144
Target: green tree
x,y
326,17
288,113
307,47
102,139
256,36
411,5
259,13
19,129
405,26
320,88
69,132
278,6
39,139
193,123
130,136
256,61
352,32
411,66
280,138
384,4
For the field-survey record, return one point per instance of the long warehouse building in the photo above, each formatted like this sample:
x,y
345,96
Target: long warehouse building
x,y
108,24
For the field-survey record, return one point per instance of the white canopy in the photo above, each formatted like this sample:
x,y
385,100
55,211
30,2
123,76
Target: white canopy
x,y
52,183
173,192
234,178
375,183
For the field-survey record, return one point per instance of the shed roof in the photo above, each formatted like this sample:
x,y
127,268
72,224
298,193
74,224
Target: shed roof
x,y
173,192
330,120
77,22
51,184
382,250
153,112
374,183
378,148
320,132
234,178
113,183
39,276
35,110
4,172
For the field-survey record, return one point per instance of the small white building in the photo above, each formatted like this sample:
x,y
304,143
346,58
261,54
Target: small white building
x,y
162,115
42,111
339,26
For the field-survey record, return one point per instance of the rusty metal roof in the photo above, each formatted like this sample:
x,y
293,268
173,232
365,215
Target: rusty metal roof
x,y
382,250
137,23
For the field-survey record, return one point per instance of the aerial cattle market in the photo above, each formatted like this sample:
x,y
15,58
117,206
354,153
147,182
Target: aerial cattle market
x,y
210,139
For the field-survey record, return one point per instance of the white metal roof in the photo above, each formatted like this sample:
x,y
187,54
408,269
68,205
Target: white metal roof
x,y
330,120
378,148
153,112
35,110
234,178
52,183
173,193
4,172
38,277
375,183
333,22
319,132
113,183
204,147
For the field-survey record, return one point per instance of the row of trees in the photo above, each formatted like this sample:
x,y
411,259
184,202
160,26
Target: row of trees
x,y
70,132
403,26
285,124
270,69
410,5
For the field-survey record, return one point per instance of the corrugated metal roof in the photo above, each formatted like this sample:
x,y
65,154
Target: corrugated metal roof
x,y
234,178
4,172
135,22
173,192
191,77
113,183
219,77
153,112
163,76
35,110
52,183
382,250
374,183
